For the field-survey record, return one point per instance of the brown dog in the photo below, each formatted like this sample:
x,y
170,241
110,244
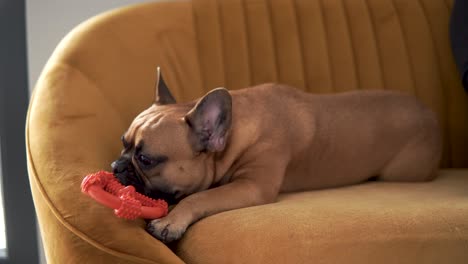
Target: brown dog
x,y
233,149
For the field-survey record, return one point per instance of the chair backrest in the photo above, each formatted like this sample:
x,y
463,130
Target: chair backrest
x,y
102,75
319,46
333,46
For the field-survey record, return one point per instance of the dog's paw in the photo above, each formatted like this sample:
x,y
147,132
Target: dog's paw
x,y
166,230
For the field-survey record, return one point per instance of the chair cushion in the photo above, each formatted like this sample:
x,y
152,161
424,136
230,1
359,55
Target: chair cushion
x,y
373,222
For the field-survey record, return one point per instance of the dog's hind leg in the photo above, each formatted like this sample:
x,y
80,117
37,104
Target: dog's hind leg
x,y
418,160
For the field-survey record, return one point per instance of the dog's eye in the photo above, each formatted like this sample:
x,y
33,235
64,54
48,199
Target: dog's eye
x,y
150,162
144,160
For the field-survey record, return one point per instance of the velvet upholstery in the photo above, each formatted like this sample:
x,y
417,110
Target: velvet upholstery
x,y
102,75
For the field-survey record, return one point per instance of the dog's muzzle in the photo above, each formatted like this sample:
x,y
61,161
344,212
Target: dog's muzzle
x,y
126,174
124,171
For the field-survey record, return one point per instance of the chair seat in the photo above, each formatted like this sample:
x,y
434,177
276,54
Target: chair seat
x,y
374,222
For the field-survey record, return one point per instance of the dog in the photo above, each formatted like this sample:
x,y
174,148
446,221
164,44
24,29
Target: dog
x,y
234,149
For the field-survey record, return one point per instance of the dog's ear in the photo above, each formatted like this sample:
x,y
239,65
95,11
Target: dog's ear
x,y
210,121
162,95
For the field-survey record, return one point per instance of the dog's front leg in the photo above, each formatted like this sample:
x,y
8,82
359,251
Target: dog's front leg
x,y
242,192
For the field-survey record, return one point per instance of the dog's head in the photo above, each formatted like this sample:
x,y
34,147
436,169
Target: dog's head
x,y
168,150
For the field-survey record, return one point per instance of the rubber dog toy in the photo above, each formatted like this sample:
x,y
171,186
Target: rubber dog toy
x,y
103,187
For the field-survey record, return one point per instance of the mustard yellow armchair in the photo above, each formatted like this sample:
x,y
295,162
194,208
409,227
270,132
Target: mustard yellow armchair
x,y
102,75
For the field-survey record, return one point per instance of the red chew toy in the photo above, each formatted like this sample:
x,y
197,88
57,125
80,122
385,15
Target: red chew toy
x,y
103,187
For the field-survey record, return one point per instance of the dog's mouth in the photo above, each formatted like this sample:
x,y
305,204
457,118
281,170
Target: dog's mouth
x,y
168,197
132,177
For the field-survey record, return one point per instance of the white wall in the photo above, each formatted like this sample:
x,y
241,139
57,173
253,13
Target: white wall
x,y
48,21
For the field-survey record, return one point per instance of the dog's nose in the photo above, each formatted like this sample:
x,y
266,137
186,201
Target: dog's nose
x,y
119,166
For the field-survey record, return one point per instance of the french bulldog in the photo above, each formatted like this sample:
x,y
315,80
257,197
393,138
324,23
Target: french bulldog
x,y
234,149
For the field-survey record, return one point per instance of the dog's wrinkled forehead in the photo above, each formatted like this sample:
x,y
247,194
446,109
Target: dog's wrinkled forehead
x,y
161,130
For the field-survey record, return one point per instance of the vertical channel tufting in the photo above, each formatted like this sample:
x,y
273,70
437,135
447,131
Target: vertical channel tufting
x,y
235,47
222,42
447,160
335,45
173,57
441,111
394,59
365,52
209,42
340,46
262,61
273,44
287,43
198,44
404,38
305,84
328,52
353,48
376,44
247,42
248,32
314,43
